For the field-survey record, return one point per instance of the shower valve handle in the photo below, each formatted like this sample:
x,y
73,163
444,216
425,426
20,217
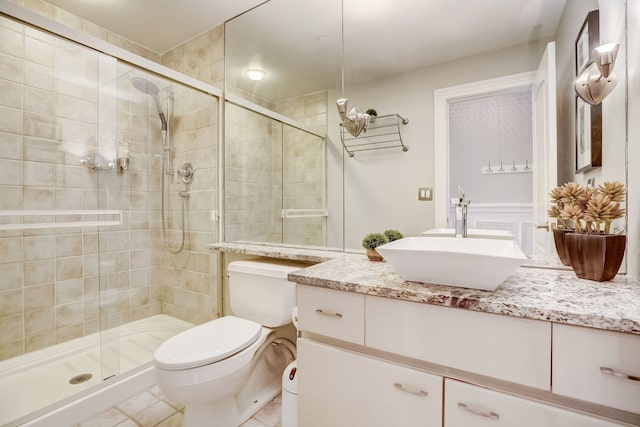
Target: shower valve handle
x,y
186,174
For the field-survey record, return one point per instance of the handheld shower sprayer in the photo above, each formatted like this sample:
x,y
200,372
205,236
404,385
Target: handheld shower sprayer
x,y
185,175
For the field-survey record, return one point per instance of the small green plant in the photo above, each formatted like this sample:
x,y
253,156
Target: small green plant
x,y
393,235
373,240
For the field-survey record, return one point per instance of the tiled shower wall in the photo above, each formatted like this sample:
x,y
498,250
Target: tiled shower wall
x,y
48,121
202,57
187,281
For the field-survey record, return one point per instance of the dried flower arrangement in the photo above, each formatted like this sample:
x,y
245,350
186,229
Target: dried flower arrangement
x,y
589,210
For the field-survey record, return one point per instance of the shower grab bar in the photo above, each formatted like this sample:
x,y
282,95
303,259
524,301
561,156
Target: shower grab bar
x,y
304,213
115,220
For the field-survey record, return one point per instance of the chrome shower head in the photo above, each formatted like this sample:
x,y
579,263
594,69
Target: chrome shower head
x,y
148,88
145,86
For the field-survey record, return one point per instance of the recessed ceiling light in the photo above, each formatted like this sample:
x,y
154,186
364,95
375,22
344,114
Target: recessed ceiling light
x,y
255,74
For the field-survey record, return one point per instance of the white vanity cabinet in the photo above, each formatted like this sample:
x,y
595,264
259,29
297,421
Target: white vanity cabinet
x,y
467,405
508,348
363,361
597,366
331,313
340,388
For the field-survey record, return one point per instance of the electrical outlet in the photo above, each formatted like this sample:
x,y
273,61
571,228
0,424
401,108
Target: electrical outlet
x,y
425,193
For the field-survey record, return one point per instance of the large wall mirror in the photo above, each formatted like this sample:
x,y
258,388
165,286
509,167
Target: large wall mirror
x,y
392,57
281,60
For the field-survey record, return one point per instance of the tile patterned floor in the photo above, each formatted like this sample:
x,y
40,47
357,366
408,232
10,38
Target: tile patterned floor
x,y
152,409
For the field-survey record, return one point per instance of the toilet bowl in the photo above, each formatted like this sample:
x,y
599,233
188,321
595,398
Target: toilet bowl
x,y
227,369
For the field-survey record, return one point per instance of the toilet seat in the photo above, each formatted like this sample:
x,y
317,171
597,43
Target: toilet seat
x,y
207,343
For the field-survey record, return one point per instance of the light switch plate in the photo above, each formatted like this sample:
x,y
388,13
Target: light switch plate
x,y
425,193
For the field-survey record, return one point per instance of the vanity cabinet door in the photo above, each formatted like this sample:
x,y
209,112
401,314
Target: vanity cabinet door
x,y
508,348
597,366
338,388
466,405
332,313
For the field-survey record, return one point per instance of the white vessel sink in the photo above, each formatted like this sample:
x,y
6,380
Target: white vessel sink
x,y
467,263
476,233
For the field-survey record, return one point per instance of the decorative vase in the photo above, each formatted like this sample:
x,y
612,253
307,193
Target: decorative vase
x,y
373,255
596,256
561,244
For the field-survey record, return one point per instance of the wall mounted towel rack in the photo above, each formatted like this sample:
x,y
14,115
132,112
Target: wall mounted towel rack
x,y
382,132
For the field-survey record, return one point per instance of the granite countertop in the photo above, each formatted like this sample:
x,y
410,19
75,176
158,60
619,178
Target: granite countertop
x,y
533,293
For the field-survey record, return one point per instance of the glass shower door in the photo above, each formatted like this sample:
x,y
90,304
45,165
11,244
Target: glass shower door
x,y
52,218
304,207
111,195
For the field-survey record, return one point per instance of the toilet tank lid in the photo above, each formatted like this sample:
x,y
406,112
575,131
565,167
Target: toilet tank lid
x,y
207,343
271,268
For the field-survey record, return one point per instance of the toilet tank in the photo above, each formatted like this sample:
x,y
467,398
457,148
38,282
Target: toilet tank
x,y
259,291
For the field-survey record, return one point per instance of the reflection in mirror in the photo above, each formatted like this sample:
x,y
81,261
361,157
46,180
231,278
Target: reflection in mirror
x,y
394,63
297,43
282,121
275,179
490,148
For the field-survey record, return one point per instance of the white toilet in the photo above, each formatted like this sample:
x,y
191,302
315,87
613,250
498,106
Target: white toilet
x,y
226,370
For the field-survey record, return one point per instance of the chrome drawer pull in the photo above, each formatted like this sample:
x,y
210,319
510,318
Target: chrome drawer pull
x,y
476,411
420,393
613,372
329,313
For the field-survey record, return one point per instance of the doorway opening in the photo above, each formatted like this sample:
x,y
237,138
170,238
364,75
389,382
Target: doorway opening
x,y
484,143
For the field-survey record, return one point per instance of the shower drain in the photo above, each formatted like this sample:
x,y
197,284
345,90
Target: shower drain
x,y
78,379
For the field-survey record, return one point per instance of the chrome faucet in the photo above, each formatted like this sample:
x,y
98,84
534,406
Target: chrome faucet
x,y
461,213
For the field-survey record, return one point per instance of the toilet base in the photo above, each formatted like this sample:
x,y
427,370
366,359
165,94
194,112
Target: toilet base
x,y
221,413
237,396
261,399
226,413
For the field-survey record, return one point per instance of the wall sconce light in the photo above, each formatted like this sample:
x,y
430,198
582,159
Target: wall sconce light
x,y
255,74
598,79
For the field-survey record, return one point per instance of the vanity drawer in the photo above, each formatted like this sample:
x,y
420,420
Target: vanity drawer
x,y
332,313
508,348
597,366
339,388
468,405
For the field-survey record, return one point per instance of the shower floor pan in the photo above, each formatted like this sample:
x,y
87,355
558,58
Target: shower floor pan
x,y
38,379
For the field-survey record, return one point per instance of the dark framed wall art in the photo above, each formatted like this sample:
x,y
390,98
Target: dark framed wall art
x,y
588,118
